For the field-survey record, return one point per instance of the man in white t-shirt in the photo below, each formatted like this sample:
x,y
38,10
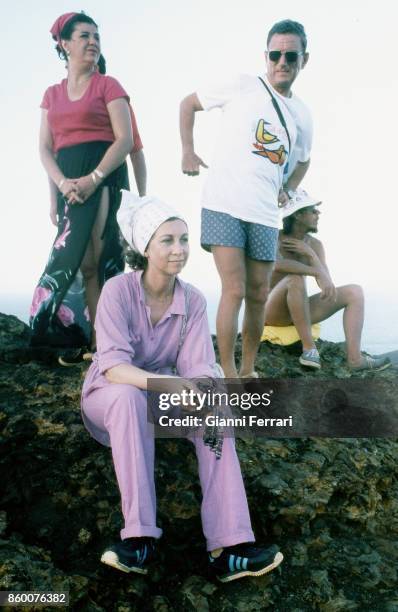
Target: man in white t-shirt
x,y
264,128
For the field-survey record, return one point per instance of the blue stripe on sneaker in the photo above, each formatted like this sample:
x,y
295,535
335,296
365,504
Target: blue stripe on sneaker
x,y
238,560
244,563
231,563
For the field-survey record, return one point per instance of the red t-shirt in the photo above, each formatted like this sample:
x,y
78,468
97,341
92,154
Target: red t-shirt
x,y
86,119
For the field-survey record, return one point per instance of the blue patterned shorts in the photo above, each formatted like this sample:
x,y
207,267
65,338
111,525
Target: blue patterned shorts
x,y
219,229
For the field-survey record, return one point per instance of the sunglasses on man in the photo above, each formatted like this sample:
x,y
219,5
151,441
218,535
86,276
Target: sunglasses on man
x,y
290,56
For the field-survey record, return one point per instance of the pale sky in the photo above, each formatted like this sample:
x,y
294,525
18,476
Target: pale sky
x,y
162,50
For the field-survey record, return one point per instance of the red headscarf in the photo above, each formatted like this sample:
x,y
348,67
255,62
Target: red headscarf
x,y
59,25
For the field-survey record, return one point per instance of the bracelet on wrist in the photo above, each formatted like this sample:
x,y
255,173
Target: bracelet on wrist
x,y
99,173
61,182
94,178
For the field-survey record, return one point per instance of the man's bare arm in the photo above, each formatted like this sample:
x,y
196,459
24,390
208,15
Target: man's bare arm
x,y
190,161
320,251
291,266
317,269
297,175
293,182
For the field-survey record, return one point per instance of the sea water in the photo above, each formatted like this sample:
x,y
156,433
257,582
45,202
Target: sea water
x,y
380,333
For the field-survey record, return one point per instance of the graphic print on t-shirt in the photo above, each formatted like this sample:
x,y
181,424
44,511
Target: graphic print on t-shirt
x,y
263,137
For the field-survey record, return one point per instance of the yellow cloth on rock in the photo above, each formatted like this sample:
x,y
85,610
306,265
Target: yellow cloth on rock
x,y
286,335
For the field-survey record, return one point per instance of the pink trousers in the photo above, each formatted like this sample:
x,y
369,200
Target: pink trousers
x,y
120,411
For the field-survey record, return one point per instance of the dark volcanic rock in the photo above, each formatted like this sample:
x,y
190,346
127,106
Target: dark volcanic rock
x,y
14,339
331,504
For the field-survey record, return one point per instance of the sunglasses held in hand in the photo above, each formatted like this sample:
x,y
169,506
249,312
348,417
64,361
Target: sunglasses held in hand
x,y
290,56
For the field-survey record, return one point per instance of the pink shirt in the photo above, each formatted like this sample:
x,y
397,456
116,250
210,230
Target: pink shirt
x,y
125,333
83,120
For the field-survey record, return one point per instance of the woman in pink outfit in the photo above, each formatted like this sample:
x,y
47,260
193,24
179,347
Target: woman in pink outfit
x,y
150,325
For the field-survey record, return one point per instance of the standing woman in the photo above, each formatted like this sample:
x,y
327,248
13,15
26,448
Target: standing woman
x,y
85,136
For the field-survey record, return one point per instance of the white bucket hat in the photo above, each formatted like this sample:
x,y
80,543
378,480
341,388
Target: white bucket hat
x,y
139,218
300,199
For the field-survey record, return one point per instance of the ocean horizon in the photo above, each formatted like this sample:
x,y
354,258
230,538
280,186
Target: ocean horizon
x,y
380,335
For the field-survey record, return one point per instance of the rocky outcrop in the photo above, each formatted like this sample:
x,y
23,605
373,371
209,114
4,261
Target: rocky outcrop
x,y
331,504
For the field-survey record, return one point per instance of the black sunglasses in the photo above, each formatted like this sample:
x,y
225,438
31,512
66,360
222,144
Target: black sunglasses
x,y
291,56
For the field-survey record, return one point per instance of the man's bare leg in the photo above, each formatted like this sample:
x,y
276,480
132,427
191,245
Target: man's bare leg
x,y
298,305
258,275
349,297
288,303
230,263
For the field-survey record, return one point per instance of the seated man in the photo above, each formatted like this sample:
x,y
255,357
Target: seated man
x,y
301,255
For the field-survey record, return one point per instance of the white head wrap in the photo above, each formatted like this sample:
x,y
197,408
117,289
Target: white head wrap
x,y
139,218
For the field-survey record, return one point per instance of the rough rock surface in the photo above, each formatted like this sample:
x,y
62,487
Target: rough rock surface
x,y
331,504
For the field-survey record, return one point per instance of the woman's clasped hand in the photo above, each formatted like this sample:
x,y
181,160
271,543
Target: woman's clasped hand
x,y
79,190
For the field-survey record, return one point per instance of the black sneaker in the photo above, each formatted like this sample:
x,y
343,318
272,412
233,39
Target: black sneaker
x,y
244,560
130,555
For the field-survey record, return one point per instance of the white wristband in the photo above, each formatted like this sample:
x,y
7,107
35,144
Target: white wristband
x,y
99,173
61,182
94,178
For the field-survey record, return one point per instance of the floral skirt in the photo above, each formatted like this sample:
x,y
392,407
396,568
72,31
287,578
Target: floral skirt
x,y
58,314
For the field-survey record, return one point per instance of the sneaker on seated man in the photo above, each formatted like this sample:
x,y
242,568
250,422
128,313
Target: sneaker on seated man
x,y
300,254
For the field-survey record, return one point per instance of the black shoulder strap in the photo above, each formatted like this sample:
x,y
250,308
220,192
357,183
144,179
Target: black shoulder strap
x,y
278,111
